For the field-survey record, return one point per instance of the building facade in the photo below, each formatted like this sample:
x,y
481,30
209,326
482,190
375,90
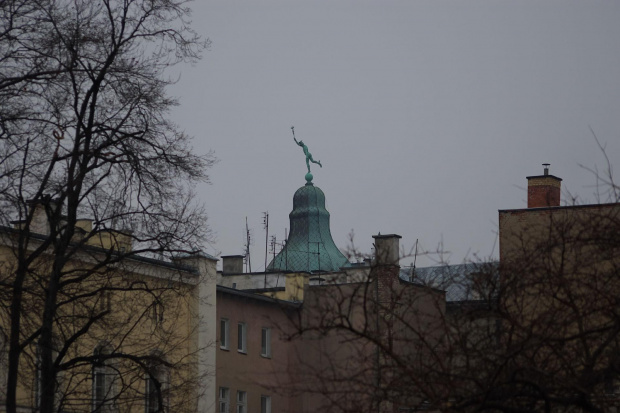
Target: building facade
x,y
129,334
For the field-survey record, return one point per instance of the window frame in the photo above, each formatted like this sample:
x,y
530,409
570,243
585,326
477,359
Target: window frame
x,y
157,313
224,400
99,399
242,338
266,407
265,342
103,376
224,334
156,372
242,402
149,393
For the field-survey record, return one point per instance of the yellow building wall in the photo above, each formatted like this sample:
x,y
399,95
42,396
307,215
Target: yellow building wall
x,y
145,309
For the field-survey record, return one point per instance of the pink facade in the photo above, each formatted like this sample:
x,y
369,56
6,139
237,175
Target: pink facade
x,y
318,359
261,363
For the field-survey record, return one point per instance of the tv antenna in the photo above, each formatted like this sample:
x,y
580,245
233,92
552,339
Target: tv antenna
x,y
248,241
273,244
415,257
266,227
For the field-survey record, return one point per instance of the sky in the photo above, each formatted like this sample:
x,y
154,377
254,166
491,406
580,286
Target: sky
x,y
427,116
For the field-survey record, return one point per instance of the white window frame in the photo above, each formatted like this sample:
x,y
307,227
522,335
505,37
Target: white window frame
x,y
161,374
242,338
265,404
224,404
150,394
103,378
100,389
265,342
224,333
242,401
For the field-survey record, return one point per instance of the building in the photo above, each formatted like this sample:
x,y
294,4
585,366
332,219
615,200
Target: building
x,y
289,337
130,333
254,360
308,256
305,354
560,272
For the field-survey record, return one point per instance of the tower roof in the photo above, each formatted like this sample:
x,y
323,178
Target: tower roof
x,y
310,246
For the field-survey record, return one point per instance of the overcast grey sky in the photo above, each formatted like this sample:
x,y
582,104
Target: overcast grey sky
x,y
426,115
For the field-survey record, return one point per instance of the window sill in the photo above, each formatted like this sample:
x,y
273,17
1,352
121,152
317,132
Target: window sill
x,y
265,356
224,348
242,352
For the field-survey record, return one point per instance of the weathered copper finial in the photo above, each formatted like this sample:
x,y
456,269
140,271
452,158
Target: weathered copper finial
x,y
308,156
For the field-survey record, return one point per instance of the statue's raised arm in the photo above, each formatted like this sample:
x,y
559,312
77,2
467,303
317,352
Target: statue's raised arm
x,y
306,152
298,143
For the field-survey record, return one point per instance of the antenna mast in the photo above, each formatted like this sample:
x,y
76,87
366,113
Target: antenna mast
x,y
273,246
248,261
266,226
415,257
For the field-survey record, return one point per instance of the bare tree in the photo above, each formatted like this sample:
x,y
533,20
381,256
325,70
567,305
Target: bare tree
x,y
539,331
84,133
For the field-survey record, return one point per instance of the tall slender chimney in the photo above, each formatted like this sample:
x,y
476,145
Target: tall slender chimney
x,y
543,190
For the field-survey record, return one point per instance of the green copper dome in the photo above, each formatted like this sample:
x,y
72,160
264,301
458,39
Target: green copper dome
x,y
310,246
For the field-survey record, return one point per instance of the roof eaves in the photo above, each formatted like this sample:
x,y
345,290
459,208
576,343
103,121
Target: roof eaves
x,y
258,297
94,249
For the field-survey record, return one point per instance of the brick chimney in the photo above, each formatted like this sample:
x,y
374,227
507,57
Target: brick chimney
x,y
543,190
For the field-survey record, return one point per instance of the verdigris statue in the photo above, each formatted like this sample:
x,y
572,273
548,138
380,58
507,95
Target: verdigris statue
x,y
306,152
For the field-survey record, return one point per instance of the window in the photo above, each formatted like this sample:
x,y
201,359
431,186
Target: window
x,y
265,404
103,381
224,399
265,342
156,390
151,395
242,398
242,336
99,389
224,334
105,301
157,313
